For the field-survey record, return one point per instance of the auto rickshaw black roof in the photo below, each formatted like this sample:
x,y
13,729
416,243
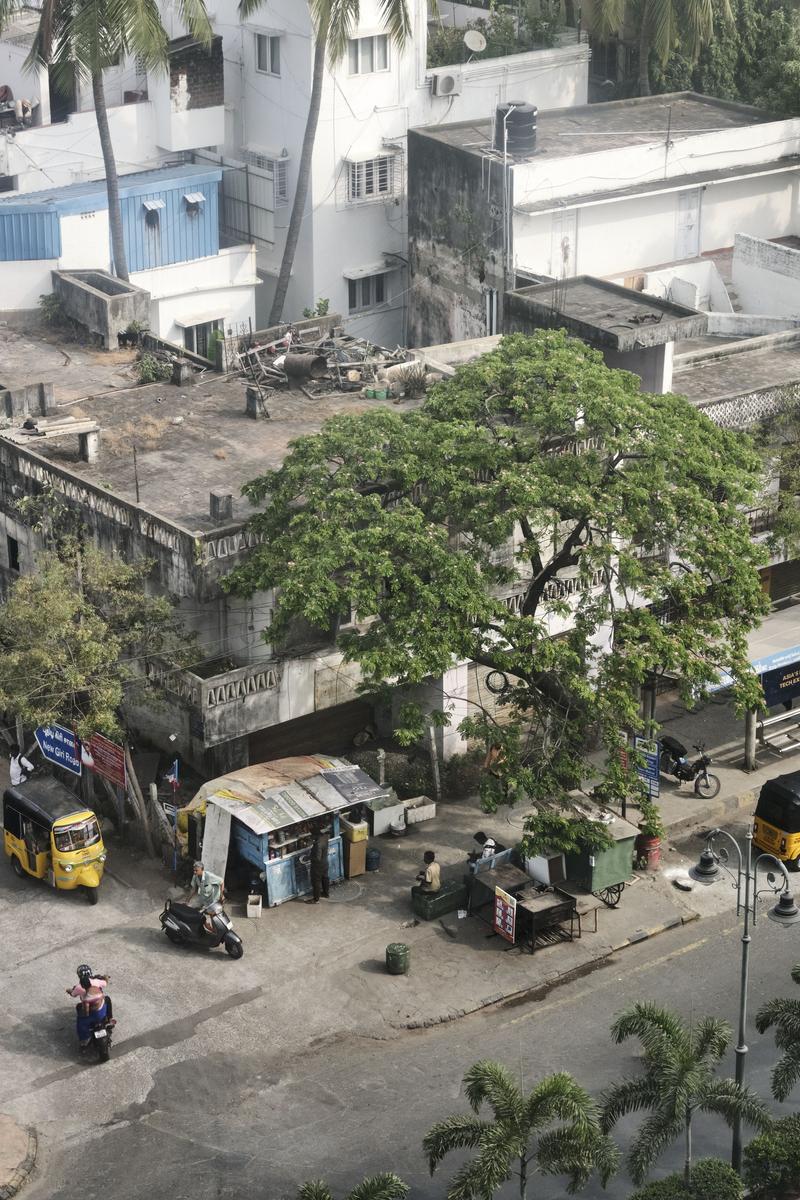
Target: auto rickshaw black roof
x,y
45,799
779,802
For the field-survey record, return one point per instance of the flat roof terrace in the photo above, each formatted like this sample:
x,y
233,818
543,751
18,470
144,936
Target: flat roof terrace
x,y
563,132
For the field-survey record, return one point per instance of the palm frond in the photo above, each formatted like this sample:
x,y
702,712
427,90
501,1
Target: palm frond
x,y
632,1095
194,16
711,1036
656,1133
386,1186
697,26
560,1097
8,10
782,1013
795,973
461,1132
786,1074
248,7
661,21
729,1100
396,20
605,17
567,1151
314,1189
335,21
490,1082
656,1028
469,1184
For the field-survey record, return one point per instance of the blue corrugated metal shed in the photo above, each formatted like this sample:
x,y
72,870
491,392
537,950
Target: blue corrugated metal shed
x,y
29,224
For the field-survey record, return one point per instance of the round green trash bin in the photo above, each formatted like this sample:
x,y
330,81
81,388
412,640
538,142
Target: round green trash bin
x,y
398,958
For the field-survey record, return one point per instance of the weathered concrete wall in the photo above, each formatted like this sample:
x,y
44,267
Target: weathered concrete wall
x,y
27,399
455,229
766,276
102,304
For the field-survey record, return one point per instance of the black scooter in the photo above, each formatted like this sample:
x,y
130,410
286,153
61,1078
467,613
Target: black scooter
x,y
183,925
102,1030
674,761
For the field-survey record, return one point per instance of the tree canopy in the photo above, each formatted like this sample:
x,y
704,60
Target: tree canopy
x,y
537,514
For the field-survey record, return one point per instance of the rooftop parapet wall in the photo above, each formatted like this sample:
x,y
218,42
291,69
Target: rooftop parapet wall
x,y
766,276
101,303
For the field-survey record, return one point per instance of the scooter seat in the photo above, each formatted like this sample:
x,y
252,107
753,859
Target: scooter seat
x,y
184,912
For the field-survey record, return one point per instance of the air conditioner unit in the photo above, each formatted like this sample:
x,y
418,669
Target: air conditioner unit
x,y
446,84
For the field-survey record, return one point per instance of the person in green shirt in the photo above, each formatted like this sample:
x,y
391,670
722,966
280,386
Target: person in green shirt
x,y
205,886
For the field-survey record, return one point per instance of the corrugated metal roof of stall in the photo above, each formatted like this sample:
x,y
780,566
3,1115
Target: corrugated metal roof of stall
x,y
75,197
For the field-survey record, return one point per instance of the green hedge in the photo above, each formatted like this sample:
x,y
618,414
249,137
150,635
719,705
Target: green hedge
x,y
772,1161
712,1179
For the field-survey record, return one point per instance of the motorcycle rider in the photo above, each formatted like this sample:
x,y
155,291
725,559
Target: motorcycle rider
x,y
90,991
205,889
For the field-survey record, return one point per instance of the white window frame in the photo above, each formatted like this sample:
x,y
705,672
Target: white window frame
x,y
370,179
278,164
365,289
268,39
356,53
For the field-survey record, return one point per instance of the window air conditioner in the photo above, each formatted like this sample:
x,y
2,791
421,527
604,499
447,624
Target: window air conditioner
x,y
446,84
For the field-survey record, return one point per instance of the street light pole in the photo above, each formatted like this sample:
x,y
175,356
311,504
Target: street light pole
x,y
785,912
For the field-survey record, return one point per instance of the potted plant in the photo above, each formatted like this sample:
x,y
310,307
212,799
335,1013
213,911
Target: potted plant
x,y
651,833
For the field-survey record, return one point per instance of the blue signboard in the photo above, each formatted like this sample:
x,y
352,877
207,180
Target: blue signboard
x,y
647,770
60,746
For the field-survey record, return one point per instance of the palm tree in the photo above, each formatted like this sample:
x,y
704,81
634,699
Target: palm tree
x,y
376,1187
334,22
554,1130
79,38
678,1081
785,1016
661,25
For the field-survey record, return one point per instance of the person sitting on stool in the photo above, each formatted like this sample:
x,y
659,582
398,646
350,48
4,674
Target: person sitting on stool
x,y
430,876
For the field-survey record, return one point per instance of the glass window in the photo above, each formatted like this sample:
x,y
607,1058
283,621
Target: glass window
x,y
268,54
366,292
77,837
368,54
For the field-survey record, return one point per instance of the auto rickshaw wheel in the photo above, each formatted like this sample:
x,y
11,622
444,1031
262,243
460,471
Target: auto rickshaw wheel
x,y
17,867
92,894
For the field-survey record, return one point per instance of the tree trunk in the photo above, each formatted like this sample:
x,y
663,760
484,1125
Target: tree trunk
x,y
687,1166
120,263
303,178
523,1178
644,54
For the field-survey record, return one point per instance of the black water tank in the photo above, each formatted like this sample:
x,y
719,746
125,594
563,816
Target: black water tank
x,y
519,135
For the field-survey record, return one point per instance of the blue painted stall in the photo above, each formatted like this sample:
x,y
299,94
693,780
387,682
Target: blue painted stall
x,y
271,811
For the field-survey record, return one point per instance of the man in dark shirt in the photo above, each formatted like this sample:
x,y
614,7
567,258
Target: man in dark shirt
x,y
320,882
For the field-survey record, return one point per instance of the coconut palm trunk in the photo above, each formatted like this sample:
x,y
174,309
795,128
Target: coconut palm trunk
x,y
303,175
112,180
644,53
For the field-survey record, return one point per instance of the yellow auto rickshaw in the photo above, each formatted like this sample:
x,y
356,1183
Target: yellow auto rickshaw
x,y
47,833
776,825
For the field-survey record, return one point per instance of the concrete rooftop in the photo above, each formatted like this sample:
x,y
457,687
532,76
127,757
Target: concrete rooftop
x,y
752,369
563,132
190,441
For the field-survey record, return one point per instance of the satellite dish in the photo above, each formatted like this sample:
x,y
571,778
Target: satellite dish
x,y
474,41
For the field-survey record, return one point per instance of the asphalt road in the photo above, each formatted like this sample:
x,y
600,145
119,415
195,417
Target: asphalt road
x,y
218,1114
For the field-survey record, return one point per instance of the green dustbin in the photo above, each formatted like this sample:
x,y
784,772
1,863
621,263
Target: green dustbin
x,y
398,958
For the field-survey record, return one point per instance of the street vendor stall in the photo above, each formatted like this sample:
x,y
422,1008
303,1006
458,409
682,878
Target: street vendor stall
x,y
604,872
266,816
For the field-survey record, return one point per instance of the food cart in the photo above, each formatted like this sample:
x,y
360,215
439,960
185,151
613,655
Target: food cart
x,y
266,816
604,873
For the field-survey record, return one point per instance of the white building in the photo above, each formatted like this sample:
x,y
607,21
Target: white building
x,y
612,190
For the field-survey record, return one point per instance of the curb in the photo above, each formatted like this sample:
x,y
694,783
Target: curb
x,y
713,812
539,990
25,1168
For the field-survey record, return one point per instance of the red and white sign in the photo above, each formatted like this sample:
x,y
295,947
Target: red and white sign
x,y
105,758
505,914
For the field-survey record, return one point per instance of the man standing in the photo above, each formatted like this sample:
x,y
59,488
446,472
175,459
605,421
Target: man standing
x,y
320,880
18,767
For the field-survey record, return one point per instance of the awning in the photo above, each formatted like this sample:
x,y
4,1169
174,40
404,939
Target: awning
x,y
154,205
359,156
201,318
376,268
194,197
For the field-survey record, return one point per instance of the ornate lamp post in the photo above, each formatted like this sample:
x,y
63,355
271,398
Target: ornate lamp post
x,y
745,879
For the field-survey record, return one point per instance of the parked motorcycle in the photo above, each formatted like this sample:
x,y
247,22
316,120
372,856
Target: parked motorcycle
x,y
675,762
184,925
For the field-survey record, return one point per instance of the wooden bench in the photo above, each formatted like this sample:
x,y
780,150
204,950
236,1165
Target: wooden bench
x,y
430,905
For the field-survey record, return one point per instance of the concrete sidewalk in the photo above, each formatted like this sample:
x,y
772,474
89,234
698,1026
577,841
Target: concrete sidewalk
x,y
17,1156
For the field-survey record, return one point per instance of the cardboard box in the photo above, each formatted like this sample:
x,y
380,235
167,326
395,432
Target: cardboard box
x,y
354,831
355,858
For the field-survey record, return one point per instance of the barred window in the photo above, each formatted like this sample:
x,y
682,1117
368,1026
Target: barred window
x,y
278,167
371,179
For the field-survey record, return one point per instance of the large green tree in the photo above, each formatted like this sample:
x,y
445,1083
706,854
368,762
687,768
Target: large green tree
x,y
537,493
677,1082
334,23
79,39
661,27
553,1130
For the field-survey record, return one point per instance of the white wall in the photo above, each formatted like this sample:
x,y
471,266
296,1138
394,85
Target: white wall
x,y
766,277
222,287
623,237
22,283
180,128
54,155
695,284
25,84
85,241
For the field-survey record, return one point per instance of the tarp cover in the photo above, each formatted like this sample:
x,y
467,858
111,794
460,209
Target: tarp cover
x,y
276,794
